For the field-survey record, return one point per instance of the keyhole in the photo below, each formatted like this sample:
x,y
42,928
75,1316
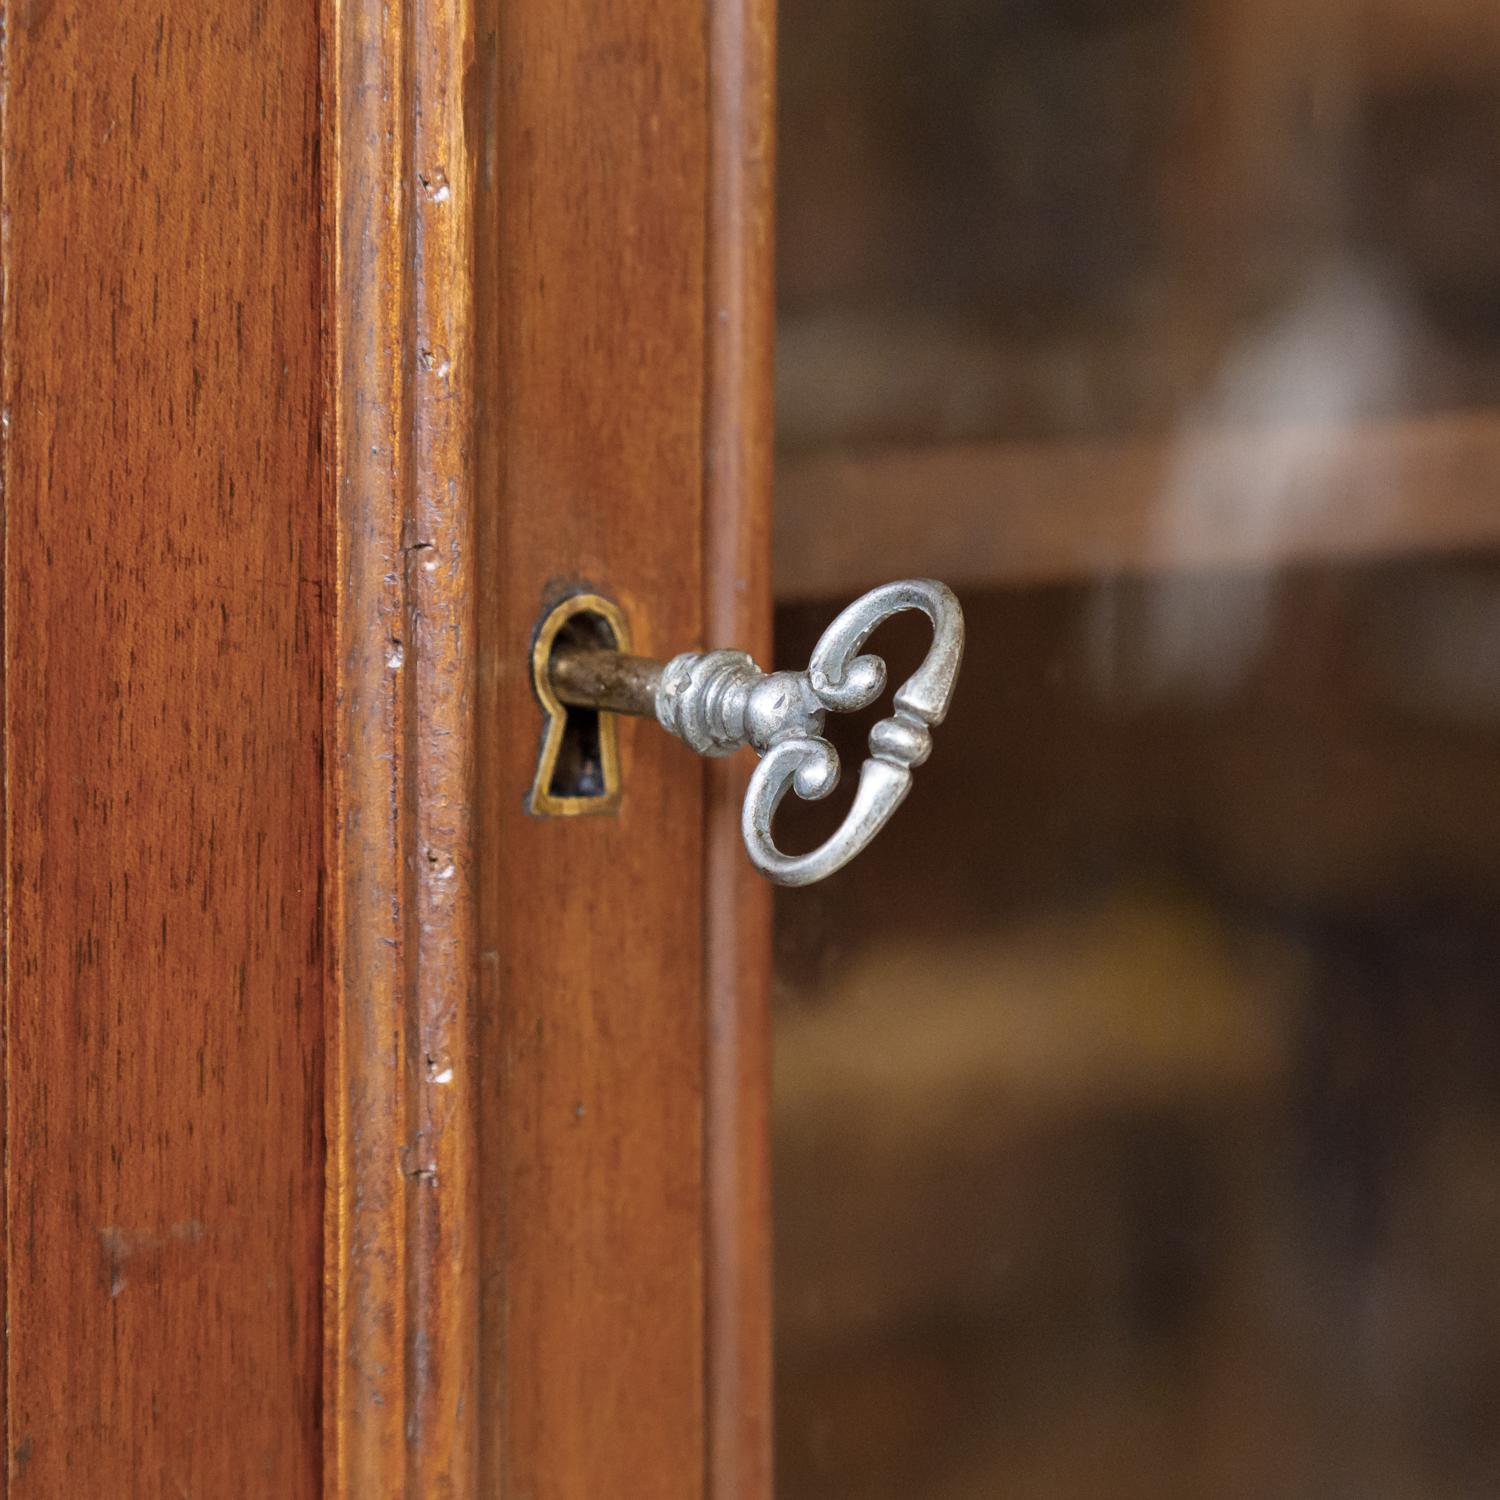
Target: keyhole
x,y
578,768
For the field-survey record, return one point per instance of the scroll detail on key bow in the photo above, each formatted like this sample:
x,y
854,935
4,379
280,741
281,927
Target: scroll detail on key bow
x,y
842,680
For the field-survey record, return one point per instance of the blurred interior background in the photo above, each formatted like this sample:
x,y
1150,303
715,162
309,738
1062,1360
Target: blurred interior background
x,y
1138,1097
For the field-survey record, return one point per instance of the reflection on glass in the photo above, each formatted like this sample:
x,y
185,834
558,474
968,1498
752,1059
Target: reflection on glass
x,y
1146,1141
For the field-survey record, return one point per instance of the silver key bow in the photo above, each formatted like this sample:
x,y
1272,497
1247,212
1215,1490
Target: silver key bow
x,y
720,701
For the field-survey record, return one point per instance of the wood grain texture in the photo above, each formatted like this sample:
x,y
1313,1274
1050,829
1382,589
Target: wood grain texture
x,y
367,425
591,294
737,611
163,711
401,1258
248,425
442,1151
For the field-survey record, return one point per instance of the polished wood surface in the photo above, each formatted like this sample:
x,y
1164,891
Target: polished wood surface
x,y
164,609
441,1163
366,1323
591,292
401,1254
368,1136
737,584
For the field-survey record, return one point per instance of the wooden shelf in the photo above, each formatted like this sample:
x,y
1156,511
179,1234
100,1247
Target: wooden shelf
x,y
1010,514
1407,40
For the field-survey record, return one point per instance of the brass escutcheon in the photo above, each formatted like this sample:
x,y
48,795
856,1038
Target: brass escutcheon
x,y
604,623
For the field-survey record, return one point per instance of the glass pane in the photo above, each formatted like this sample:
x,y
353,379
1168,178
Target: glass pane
x,y
1138,1093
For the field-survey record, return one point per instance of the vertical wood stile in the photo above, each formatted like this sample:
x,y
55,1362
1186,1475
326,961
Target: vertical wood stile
x,y
737,609
7,393
591,274
442,1355
401,1265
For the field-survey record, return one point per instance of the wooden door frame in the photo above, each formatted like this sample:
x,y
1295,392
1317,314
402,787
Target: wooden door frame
x,y
365,1133
400,1240
412,201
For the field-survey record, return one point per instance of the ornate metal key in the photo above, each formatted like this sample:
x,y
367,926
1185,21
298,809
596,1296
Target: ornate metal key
x,y
718,702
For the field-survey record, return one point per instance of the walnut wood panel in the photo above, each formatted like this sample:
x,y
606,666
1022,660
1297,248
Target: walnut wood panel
x,y
258,389
164,667
592,294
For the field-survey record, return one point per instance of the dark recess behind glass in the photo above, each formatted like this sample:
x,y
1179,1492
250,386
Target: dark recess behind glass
x,y
1138,1096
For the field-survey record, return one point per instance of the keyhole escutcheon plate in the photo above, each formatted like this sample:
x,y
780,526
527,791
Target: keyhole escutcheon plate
x,y
578,767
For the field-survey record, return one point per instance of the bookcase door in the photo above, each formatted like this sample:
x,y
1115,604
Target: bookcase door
x,y
367,1134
